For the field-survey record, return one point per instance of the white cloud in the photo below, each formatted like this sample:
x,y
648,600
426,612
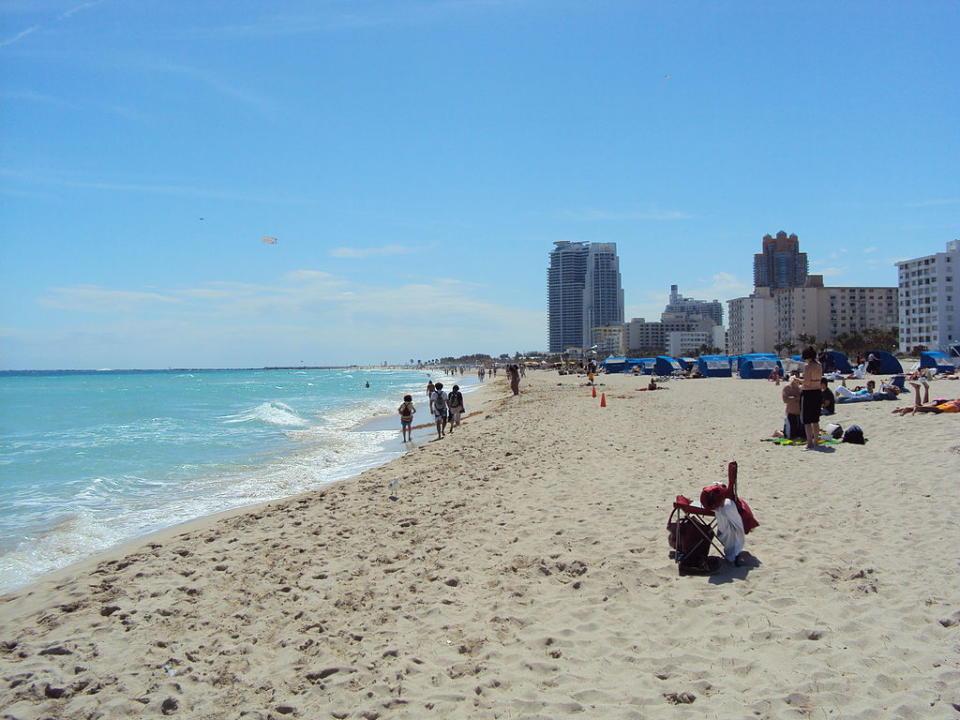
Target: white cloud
x,y
77,8
304,314
829,271
58,180
213,81
95,299
19,36
871,249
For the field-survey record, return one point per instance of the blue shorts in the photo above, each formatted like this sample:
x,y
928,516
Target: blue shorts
x,y
406,423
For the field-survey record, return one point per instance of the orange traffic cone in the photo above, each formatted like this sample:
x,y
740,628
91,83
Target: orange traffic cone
x,y
594,390
603,399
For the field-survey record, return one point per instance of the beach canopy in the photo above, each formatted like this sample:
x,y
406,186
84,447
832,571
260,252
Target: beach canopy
x,y
687,362
758,366
884,363
615,364
840,362
645,364
714,366
937,360
664,365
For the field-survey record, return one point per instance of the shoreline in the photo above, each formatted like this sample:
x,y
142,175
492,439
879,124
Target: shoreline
x,y
194,524
523,571
48,547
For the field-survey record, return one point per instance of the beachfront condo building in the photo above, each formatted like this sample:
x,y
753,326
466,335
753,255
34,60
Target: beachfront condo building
x,y
780,264
828,312
768,318
584,291
929,308
751,323
610,340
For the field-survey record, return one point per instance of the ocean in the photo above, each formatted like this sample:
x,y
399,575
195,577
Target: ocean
x,y
89,460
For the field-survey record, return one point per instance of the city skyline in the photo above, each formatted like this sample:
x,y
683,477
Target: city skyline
x,y
413,160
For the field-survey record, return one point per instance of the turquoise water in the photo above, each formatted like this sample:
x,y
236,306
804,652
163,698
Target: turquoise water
x,y
90,460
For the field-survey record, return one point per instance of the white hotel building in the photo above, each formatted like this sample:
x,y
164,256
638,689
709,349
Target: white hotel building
x,y
929,302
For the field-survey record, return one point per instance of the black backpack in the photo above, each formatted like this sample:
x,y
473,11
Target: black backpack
x,y
854,435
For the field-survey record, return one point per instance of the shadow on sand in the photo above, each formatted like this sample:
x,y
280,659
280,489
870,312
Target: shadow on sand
x,y
728,573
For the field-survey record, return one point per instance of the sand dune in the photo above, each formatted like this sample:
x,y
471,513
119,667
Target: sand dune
x,y
523,572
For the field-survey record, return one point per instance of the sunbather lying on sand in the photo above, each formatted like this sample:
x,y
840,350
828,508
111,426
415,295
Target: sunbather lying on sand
x,y
936,407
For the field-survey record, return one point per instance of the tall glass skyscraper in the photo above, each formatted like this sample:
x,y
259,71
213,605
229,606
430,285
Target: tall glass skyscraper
x,y
584,291
781,264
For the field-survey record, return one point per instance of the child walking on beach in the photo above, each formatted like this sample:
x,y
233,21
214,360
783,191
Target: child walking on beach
x,y
406,411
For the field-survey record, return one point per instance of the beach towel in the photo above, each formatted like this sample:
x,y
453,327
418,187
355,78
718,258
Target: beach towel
x,y
730,529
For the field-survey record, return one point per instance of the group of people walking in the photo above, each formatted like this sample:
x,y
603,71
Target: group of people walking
x,y
445,407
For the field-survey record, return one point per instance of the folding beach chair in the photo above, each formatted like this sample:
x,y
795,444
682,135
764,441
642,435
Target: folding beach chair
x,y
691,527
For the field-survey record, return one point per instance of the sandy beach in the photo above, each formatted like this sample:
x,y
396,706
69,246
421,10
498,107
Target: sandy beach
x,y
523,572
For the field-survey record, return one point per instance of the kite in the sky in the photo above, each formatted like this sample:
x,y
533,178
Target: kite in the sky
x,y
267,240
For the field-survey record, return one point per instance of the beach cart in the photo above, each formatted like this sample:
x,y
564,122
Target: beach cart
x,y
692,528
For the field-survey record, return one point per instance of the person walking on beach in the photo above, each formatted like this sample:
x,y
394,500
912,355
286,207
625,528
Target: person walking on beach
x,y
514,374
430,389
438,406
455,406
811,397
406,411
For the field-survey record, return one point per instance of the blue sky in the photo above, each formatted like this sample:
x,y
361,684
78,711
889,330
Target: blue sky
x,y
417,159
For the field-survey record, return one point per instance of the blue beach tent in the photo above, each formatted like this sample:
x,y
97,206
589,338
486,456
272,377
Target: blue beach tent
x,y
885,363
714,366
616,365
646,364
757,366
840,361
664,365
687,362
937,360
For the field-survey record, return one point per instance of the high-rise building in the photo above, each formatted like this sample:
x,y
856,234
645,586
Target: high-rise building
x,y
929,305
781,264
688,307
584,292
